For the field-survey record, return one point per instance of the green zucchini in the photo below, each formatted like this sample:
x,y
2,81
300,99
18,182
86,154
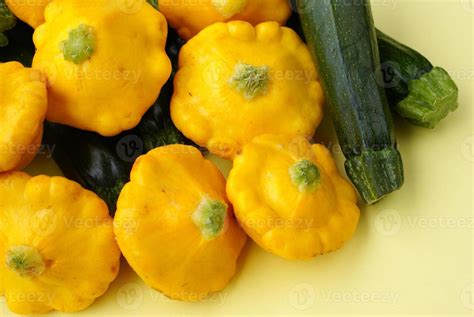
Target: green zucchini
x,y
7,22
89,159
341,35
20,46
154,3
103,164
417,91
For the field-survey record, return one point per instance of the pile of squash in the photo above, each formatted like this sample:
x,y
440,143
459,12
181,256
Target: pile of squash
x,y
246,89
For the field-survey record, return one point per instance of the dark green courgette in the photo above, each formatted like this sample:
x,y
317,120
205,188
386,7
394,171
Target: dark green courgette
x,y
7,22
103,164
156,128
342,38
88,159
417,91
20,46
154,3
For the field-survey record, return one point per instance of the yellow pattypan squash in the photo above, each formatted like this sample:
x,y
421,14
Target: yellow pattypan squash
x,y
236,82
105,62
190,17
57,244
289,197
175,225
23,105
29,11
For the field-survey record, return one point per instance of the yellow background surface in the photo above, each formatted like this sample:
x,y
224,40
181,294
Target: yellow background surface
x,y
412,253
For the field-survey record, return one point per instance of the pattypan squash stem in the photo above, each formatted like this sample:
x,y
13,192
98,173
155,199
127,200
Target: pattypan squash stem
x,y
210,217
430,98
250,80
228,8
25,261
305,175
80,44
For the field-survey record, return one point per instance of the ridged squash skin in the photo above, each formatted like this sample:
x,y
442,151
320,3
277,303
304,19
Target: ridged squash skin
x,y
105,62
156,229
293,222
190,17
236,82
23,106
72,254
30,12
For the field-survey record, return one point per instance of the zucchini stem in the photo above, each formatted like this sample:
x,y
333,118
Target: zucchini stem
x,y
430,98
